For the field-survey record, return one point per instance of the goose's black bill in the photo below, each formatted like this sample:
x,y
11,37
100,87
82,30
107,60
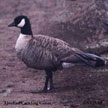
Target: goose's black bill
x,y
12,24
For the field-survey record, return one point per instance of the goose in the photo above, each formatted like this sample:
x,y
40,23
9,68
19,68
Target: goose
x,y
48,53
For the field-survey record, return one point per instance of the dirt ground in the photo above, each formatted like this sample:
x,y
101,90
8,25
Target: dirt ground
x,y
79,87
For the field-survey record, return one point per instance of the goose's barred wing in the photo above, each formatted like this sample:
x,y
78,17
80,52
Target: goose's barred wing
x,y
56,47
51,52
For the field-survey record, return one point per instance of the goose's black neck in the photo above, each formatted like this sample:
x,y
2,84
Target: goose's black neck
x,y
27,30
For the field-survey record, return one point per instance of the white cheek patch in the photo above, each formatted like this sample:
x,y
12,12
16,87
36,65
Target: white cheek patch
x,y
22,23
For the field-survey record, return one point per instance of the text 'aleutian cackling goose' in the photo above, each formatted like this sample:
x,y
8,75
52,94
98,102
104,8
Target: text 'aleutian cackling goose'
x,y
48,53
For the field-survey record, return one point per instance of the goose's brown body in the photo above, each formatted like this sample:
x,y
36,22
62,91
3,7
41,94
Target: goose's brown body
x,y
43,52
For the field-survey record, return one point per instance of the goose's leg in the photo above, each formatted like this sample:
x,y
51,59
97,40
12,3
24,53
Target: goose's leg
x,y
46,81
49,77
51,81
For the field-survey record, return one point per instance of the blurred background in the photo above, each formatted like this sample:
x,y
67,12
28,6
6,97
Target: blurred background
x,y
79,22
83,24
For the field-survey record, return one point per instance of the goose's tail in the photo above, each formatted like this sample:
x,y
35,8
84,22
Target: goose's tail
x,y
91,59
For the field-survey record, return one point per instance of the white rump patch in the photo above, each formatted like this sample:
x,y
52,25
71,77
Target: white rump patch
x,y
22,23
67,65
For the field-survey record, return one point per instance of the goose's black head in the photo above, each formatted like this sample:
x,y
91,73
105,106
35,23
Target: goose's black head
x,y
23,23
